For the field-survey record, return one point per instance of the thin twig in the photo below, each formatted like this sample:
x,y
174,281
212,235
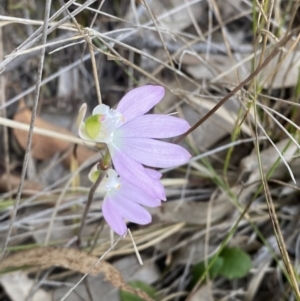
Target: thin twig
x,y
92,54
86,274
3,113
89,202
94,67
91,49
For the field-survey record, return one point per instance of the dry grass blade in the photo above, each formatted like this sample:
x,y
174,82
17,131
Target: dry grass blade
x,y
41,131
5,140
72,259
281,243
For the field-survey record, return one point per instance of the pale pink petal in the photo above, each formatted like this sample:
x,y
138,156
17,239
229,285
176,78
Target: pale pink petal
x,y
132,211
139,101
112,215
154,174
134,173
137,195
153,153
153,126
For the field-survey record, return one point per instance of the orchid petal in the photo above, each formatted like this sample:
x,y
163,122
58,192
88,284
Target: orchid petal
x,y
113,216
101,109
81,115
134,173
139,101
153,126
154,174
153,152
137,195
132,211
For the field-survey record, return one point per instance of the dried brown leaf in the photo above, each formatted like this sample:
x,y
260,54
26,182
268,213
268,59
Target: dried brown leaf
x,y
12,182
43,148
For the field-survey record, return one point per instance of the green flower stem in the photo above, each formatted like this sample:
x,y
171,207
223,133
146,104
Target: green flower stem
x,y
103,166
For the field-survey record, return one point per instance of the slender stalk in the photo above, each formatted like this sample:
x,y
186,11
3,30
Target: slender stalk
x,y
88,204
103,165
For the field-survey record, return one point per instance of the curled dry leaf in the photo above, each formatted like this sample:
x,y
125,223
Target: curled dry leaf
x,y
72,259
43,148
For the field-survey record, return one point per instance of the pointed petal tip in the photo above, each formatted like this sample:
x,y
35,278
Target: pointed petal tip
x,y
185,157
154,174
83,108
185,127
122,233
162,194
138,195
158,89
147,220
81,115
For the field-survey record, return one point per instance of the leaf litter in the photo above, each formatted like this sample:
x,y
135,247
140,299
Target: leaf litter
x,y
203,50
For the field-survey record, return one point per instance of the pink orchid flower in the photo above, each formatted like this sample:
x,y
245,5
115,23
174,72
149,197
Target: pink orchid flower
x,y
131,137
122,201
